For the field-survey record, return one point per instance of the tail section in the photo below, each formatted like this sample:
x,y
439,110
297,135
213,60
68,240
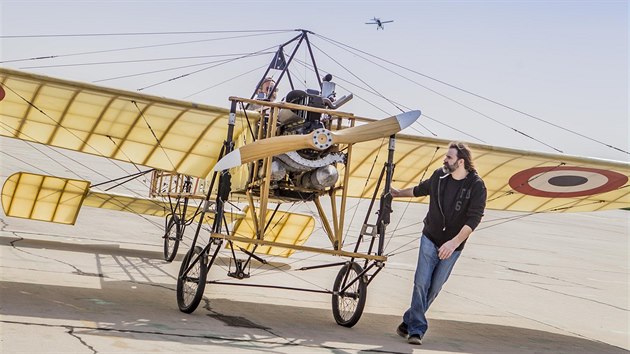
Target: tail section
x,y
44,198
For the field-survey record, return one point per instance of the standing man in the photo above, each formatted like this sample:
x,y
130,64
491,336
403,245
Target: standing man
x,y
457,199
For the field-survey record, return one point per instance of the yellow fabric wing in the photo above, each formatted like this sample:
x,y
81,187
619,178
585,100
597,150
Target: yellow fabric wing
x,y
117,124
118,202
58,200
516,180
44,198
146,206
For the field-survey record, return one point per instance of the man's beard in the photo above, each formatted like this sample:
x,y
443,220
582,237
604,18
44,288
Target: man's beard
x,y
449,168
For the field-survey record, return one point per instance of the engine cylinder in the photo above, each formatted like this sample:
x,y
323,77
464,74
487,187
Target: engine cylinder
x,y
320,178
278,171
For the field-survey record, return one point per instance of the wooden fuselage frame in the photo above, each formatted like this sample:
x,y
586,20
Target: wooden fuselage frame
x,y
262,182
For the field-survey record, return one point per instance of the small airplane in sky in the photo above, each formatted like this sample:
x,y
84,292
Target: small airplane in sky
x,y
378,22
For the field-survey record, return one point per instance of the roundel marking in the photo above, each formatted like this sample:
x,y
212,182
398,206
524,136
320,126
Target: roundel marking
x,y
2,93
566,181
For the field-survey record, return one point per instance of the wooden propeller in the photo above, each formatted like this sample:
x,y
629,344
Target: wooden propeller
x,y
319,139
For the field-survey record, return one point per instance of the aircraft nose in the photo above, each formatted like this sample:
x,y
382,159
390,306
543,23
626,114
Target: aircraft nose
x,y
406,119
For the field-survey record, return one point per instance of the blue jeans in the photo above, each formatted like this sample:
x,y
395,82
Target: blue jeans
x,y
431,273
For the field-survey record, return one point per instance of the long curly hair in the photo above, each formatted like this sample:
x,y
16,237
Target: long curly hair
x,y
463,152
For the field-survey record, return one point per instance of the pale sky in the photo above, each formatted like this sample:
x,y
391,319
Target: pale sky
x,y
565,62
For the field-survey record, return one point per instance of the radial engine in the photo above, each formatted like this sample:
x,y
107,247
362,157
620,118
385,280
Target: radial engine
x,y
308,168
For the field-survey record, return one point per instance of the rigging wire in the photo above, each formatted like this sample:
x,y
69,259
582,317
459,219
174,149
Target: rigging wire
x,y
120,205
467,107
358,78
338,78
56,123
32,143
124,207
223,82
286,215
278,269
416,122
126,179
136,61
378,152
306,65
561,207
479,96
138,33
310,67
456,129
274,269
119,147
153,133
128,48
408,201
206,68
221,61
302,79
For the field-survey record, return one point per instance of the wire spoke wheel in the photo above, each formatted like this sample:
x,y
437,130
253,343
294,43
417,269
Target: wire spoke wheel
x,y
348,305
172,236
190,286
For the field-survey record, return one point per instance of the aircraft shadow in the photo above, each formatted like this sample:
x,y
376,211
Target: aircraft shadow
x,y
144,308
138,311
114,249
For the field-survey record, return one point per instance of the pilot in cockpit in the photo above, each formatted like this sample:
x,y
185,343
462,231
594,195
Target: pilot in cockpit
x,y
266,91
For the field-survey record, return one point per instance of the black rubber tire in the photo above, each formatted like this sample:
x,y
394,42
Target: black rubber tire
x,y
190,290
348,307
172,236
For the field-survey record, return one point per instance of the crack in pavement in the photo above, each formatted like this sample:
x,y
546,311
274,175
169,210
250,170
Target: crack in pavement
x,y
77,270
579,297
547,276
71,333
552,278
66,236
4,225
150,284
222,339
498,264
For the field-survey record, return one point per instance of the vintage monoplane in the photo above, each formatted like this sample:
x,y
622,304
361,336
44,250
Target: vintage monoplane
x,y
380,24
271,153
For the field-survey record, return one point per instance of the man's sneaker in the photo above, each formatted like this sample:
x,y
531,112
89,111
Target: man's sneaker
x,y
402,330
414,339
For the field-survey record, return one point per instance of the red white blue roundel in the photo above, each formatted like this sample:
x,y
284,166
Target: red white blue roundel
x,y
566,181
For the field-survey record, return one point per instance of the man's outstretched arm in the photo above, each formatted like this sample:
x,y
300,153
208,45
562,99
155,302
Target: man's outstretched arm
x,y
407,192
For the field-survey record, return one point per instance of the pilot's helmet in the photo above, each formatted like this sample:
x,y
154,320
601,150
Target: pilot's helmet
x,y
267,89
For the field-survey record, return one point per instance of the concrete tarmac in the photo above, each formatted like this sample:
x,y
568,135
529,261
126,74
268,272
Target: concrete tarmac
x,y
542,283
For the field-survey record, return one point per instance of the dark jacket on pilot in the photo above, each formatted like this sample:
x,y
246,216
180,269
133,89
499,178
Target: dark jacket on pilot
x,y
440,225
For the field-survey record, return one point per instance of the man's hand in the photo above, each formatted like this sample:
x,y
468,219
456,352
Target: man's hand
x,y
451,245
448,248
394,192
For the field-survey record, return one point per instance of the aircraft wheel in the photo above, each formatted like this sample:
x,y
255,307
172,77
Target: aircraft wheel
x,y
190,288
348,306
172,235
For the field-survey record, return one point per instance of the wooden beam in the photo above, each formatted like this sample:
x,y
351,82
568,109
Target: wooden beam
x,y
322,215
299,248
